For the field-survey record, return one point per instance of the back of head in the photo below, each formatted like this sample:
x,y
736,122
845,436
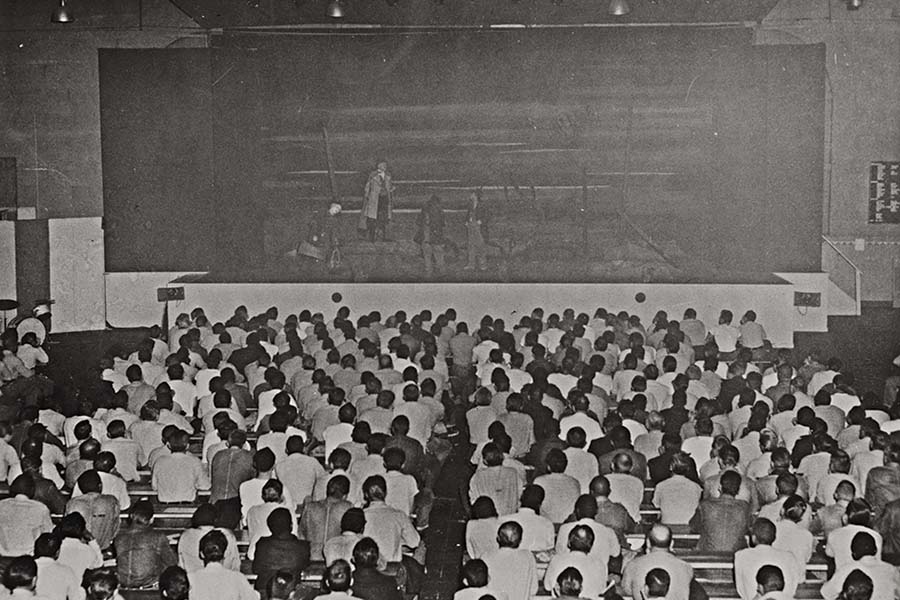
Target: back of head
x,y
475,573
484,508
47,544
657,582
374,488
794,508
509,535
365,553
570,582
213,546
21,572
581,539
770,578
763,531
863,544
857,586
174,584
101,584
337,576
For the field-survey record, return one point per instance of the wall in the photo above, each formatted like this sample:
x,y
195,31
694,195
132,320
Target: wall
x,y
7,260
862,118
50,122
131,300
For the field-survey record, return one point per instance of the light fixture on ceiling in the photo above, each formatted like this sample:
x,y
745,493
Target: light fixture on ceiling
x,y
618,8
62,14
854,4
336,9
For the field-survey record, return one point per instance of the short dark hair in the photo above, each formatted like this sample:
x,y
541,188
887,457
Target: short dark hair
x,y
337,576
174,583
21,572
657,582
213,546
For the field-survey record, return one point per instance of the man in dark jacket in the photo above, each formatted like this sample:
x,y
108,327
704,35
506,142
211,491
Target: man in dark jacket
x,y
281,551
368,582
430,236
45,491
723,522
142,553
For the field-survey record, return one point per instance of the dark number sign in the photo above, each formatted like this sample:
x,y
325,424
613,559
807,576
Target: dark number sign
x,y
884,192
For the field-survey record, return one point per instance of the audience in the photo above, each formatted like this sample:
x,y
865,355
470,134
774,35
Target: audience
x,y
798,461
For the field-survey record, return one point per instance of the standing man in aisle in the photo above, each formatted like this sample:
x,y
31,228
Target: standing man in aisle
x,y
377,203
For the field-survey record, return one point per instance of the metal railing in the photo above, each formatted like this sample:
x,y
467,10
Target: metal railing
x,y
842,271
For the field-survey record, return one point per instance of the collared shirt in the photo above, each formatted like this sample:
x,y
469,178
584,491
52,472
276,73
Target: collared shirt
x,y
257,526
189,549
479,419
500,484
537,530
885,578
513,571
341,547
22,520
677,499
475,593
100,512
401,491
481,536
320,522
250,493
560,493
591,427
837,544
56,581
390,529
126,452
582,466
299,474
148,435
215,582
8,458
229,469
421,419
177,478
593,572
748,561
80,556
679,571
606,542
795,539
627,490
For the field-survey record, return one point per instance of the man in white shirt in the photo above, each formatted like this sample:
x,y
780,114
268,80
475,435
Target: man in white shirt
x,y
885,577
594,572
390,528
298,472
625,488
421,417
214,581
747,562
184,393
582,464
22,519
677,497
580,418
55,581
606,543
857,519
513,569
537,530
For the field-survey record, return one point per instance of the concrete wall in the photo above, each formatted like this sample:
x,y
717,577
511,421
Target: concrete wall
x,y
862,118
131,300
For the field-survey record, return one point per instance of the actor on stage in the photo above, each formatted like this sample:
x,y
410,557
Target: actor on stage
x,y
475,229
430,235
376,207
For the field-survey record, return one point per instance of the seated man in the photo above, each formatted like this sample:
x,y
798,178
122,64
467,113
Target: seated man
x,y
678,496
55,581
770,584
321,519
606,543
624,487
179,476
499,483
100,511
594,572
368,582
747,562
514,569
537,530
279,551
214,581
722,522
885,577
560,490
475,578
22,519
336,582
658,555
353,523
142,553
389,527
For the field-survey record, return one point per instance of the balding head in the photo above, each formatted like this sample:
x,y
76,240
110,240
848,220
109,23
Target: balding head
x,y
600,487
659,537
509,535
622,463
581,539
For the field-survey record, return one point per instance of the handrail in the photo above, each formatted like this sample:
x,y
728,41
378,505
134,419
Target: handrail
x,y
857,274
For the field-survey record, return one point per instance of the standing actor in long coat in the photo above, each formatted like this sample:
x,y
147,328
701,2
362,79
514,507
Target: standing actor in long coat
x,y
377,200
